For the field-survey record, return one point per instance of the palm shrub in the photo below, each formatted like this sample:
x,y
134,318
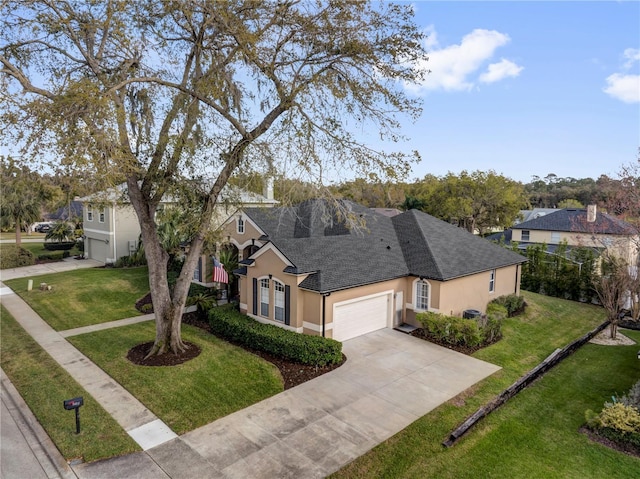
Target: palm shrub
x,y
203,302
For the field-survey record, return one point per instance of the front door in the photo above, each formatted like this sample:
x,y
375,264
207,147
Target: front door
x,y
397,320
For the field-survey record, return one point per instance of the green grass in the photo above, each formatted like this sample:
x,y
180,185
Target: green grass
x,y
85,296
535,435
44,385
38,249
221,380
11,235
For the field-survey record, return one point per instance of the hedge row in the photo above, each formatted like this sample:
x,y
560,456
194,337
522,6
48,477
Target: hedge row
x,y
12,256
451,329
59,246
317,351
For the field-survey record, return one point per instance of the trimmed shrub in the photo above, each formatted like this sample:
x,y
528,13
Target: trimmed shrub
x,y
61,246
491,323
617,422
11,256
632,398
451,329
515,304
497,311
55,256
317,351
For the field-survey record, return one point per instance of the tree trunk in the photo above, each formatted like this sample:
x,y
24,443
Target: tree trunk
x,y
613,329
18,233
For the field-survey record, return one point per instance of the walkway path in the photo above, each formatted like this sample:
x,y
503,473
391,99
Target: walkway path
x,y
389,380
68,264
140,423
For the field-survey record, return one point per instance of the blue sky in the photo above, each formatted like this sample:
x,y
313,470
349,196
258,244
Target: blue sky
x,y
529,88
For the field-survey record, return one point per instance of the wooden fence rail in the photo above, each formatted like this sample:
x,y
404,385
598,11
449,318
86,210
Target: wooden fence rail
x,y
554,358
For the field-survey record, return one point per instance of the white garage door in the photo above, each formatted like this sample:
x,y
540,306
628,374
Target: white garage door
x,y
97,250
354,318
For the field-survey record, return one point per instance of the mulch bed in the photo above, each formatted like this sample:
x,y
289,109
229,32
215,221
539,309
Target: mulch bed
x,y
624,448
292,373
137,355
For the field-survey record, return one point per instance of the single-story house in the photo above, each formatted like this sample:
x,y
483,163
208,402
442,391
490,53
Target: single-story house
x,y
111,228
306,269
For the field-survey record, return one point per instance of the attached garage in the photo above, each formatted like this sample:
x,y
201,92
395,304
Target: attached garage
x,y
361,315
96,249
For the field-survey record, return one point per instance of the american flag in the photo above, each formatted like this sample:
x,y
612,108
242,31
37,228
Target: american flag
x,y
219,273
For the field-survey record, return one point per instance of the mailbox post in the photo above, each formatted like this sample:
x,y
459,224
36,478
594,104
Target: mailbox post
x,y
74,403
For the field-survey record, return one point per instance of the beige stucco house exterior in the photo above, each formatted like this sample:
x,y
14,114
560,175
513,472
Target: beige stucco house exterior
x,y
580,227
303,269
112,231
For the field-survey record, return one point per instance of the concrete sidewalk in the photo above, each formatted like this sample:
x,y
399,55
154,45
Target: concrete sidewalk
x,y
140,423
68,264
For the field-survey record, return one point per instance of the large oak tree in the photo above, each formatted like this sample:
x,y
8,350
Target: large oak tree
x,y
159,93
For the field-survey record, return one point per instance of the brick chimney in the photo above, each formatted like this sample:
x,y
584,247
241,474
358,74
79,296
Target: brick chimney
x,y
591,213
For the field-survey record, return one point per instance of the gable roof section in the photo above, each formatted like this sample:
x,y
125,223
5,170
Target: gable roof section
x,y
316,241
575,221
435,249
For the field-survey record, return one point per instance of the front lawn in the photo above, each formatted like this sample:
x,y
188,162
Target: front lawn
x,y
38,249
222,379
536,434
44,385
85,296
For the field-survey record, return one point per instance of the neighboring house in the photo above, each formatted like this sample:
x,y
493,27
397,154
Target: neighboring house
x,y
526,215
303,269
111,227
71,212
578,227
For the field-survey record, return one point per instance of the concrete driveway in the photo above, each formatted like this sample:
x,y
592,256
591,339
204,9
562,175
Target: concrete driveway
x,y
390,379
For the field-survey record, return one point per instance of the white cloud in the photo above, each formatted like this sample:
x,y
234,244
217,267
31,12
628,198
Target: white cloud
x,y
501,70
454,67
623,87
632,55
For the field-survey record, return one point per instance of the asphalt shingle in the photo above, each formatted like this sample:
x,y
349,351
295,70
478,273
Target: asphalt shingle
x,y
317,240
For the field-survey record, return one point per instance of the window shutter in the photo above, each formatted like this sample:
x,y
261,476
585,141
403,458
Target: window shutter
x,y
255,296
287,304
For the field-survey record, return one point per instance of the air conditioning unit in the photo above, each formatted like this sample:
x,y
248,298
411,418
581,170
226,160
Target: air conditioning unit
x,y
471,314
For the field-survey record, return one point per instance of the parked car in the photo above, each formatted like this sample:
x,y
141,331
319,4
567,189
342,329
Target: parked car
x,y
43,228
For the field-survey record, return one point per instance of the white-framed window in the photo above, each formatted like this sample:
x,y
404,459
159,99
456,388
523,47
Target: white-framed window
x,y
240,225
264,297
422,295
526,235
101,215
555,237
278,300
89,213
492,281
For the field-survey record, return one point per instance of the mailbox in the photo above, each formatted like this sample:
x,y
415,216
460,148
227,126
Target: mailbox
x,y
73,403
